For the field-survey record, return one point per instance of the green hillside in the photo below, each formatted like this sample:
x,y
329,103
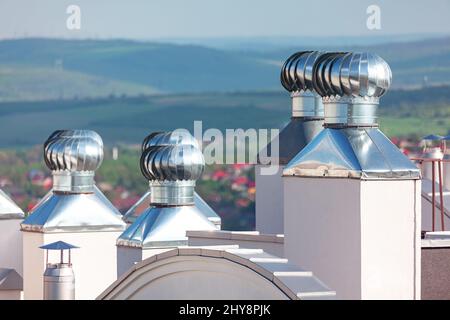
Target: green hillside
x,y
128,119
41,83
39,69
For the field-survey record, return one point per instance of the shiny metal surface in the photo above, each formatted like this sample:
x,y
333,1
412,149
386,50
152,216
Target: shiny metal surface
x,y
361,153
8,209
73,150
297,77
351,84
306,104
172,169
351,146
143,203
73,156
73,212
164,226
293,138
176,137
365,74
73,182
172,163
354,111
172,192
97,192
74,203
59,282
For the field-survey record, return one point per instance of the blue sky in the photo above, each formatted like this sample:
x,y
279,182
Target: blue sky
x,y
156,19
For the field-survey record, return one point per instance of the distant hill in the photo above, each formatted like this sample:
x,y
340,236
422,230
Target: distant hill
x,y
152,66
129,120
40,69
414,64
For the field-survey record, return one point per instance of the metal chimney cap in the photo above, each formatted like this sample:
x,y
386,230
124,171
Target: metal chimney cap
x,y
297,71
58,245
172,163
364,74
73,150
359,74
322,73
176,137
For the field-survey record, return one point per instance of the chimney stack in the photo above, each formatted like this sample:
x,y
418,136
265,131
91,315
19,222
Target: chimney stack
x,y
172,170
10,238
76,212
306,122
352,199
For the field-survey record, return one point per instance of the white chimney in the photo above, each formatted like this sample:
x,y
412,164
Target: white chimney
x,y
352,199
306,122
172,171
10,238
75,212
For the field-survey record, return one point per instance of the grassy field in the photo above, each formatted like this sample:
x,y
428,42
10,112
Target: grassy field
x,y
414,127
128,120
43,83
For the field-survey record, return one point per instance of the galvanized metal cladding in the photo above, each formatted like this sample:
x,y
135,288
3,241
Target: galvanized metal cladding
x,y
170,138
297,71
164,226
296,77
73,150
358,74
351,146
350,85
171,156
74,203
172,163
361,74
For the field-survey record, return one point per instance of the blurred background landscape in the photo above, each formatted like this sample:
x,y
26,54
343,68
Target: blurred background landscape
x,y
125,87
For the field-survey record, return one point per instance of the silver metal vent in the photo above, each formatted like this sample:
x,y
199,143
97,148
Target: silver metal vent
x,y
177,137
307,108
73,156
351,144
59,279
296,77
172,171
74,204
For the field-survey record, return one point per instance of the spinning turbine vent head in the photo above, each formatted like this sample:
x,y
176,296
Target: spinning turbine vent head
x,y
73,150
172,163
297,78
73,156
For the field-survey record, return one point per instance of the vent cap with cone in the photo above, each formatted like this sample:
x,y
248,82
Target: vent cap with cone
x,y
351,146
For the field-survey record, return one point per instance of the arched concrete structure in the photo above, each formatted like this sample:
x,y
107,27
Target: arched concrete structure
x,y
206,273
